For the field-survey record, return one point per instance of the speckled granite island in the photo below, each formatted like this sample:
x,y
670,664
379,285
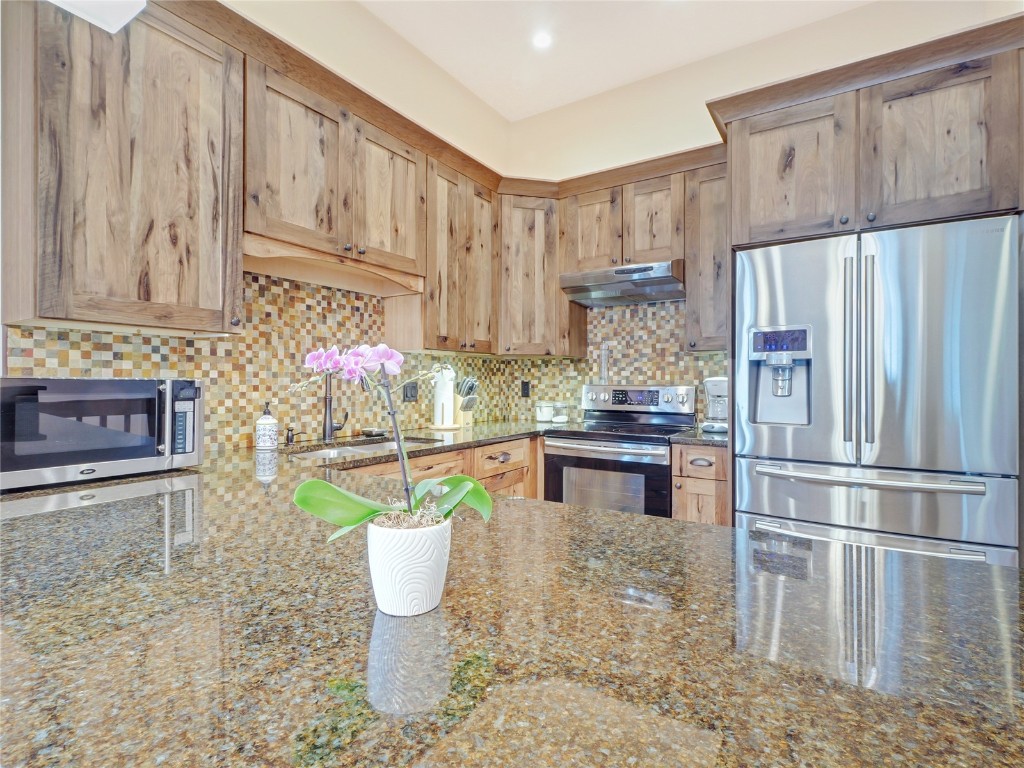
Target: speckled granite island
x,y
201,620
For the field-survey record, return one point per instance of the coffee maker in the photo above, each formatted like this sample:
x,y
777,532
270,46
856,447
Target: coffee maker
x,y
716,410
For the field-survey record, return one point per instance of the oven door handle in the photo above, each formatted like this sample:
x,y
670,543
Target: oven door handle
x,y
661,451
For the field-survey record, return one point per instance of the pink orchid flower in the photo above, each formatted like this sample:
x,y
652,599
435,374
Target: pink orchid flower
x,y
391,359
331,360
314,359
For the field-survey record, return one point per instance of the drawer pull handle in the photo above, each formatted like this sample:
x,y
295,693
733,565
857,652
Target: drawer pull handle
x,y
502,458
701,463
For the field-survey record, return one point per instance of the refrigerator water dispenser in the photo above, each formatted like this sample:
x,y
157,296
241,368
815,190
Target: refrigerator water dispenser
x,y
781,357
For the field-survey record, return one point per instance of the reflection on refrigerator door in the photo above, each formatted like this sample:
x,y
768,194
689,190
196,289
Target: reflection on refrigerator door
x,y
867,616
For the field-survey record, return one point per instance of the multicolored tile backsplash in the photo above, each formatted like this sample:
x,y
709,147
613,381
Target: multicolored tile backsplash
x,y
285,318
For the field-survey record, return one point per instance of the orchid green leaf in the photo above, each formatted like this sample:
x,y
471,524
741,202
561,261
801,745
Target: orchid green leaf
x,y
447,503
336,505
475,496
342,531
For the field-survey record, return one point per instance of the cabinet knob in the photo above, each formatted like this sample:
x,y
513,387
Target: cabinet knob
x,y
871,217
235,321
615,261
679,486
347,246
472,345
508,349
462,345
627,260
693,344
844,219
360,251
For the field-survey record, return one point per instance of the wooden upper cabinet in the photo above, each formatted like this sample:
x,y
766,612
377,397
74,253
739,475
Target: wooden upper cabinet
x,y
447,240
321,178
652,213
707,256
481,267
529,295
139,189
390,185
941,144
294,173
793,171
590,235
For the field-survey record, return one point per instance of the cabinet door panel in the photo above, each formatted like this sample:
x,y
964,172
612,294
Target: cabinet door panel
x,y
941,144
653,219
390,201
699,501
481,267
529,293
794,171
446,244
707,255
139,153
591,231
293,161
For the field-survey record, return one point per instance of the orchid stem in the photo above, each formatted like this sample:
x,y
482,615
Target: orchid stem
x,y
385,384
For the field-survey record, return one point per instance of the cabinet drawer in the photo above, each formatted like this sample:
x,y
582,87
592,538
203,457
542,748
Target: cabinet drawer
x,y
435,465
699,461
501,457
511,483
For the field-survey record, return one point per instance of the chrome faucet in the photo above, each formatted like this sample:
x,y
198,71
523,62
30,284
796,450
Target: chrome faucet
x,y
330,426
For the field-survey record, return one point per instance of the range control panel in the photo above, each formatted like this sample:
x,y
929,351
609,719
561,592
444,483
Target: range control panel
x,y
643,399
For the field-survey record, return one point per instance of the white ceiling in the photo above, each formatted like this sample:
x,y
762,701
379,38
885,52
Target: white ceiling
x,y
598,45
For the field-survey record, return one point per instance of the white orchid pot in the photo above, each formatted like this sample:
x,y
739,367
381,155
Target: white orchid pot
x,y
408,567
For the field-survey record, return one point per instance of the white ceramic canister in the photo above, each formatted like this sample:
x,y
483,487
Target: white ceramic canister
x,y
266,431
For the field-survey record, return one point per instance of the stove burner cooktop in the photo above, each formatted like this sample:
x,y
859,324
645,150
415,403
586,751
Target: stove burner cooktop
x,y
637,433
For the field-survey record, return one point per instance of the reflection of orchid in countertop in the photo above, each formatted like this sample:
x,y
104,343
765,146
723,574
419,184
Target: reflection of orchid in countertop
x,y
373,367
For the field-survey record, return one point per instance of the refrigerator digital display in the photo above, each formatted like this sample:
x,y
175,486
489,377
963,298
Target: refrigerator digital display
x,y
635,397
781,341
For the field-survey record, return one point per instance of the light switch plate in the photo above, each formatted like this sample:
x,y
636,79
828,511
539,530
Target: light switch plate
x,y
411,392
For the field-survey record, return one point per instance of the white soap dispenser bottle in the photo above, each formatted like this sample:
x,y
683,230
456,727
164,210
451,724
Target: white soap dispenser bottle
x,y
266,431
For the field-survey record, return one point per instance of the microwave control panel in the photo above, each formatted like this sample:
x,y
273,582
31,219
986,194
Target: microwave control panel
x,y
184,396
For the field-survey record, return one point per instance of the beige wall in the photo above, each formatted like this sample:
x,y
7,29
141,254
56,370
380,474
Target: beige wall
x,y
653,117
666,113
351,41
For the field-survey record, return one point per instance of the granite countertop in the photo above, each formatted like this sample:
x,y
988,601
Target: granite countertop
x,y
202,620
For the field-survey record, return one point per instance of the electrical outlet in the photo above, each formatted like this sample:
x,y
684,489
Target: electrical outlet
x,y
411,392
524,389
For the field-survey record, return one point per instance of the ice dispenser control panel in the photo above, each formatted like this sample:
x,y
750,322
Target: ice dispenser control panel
x,y
793,340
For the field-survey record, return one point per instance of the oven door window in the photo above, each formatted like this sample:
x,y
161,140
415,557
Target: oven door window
x,y
608,484
54,422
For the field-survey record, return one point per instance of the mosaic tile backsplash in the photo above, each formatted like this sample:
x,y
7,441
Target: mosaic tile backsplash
x,y
284,319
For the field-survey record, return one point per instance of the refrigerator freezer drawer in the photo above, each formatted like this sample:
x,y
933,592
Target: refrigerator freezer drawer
x,y
951,550
979,510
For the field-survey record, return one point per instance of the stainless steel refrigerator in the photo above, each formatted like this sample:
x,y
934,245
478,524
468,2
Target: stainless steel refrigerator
x,y
877,389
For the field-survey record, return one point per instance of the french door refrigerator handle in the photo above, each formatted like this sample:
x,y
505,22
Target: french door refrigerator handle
x,y
848,347
869,348
774,470
953,553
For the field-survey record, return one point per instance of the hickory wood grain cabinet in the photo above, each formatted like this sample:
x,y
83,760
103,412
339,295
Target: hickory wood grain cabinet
x,y
590,235
504,469
699,491
462,253
706,245
937,145
129,202
321,178
652,212
534,316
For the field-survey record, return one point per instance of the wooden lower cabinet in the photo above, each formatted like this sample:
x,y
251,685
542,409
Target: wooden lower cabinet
x,y
700,501
699,491
504,469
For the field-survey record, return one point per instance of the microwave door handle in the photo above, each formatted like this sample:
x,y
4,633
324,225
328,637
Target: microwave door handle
x,y
950,552
968,489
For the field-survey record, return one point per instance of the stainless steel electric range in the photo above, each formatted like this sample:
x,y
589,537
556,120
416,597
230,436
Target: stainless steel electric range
x,y
620,457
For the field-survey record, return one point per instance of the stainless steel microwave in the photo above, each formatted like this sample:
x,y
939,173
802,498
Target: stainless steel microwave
x,y
74,430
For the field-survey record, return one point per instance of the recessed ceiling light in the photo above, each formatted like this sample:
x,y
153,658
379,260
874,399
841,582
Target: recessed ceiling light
x,y
542,40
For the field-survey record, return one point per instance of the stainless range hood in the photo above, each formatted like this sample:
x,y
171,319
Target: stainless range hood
x,y
640,284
